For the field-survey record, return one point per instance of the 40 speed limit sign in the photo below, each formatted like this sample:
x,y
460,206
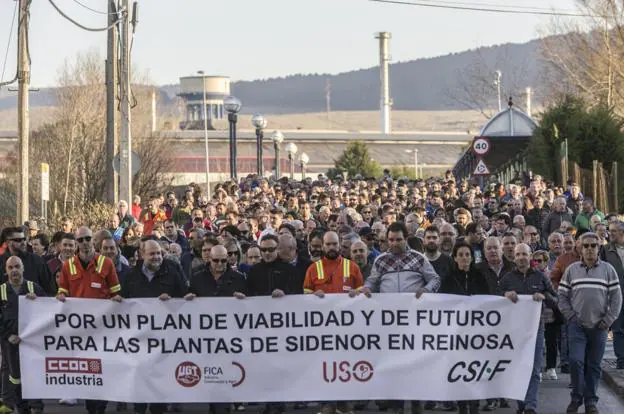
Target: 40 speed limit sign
x,y
481,146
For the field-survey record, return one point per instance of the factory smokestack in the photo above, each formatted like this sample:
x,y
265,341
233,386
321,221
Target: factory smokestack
x,y
385,102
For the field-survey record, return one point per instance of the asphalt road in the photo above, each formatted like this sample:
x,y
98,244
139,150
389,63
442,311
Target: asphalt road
x,y
554,397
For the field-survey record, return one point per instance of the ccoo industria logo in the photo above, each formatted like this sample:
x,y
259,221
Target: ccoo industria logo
x,y
73,371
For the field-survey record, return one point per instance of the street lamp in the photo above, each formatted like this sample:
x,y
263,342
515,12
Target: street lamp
x,y
415,151
304,160
232,105
277,139
291,149
260,123
201,72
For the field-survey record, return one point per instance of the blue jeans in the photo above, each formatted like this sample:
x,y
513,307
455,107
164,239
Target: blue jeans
x,y
587,346
618,337
564,357
530,400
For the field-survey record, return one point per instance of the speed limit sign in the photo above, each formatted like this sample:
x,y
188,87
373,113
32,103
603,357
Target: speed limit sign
x,y
481,146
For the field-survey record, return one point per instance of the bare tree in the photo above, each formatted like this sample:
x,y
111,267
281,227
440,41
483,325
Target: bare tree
x,y
74,143
586,55
475,85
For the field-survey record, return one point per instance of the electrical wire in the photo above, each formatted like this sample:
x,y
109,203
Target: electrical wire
x,y
458,6
6,54
90,8
89,29
497,5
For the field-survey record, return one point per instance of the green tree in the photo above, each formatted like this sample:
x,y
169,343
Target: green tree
x,y
592,133
354,160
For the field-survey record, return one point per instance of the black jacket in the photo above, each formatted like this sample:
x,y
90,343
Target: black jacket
x,y
35,270
264,278
203,284
9,308
301,267
491,277
465,283
528,284
168,279
609,254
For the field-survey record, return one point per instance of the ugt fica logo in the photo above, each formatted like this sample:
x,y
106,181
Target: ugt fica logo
x,y
188,374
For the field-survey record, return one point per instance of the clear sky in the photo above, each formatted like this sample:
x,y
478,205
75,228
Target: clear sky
x,y
252,39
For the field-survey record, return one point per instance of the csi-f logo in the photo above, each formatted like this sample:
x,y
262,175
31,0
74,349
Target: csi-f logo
x,y
476,371
188,374
343,371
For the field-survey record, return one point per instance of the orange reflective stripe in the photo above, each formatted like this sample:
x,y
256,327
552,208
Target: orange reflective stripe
x,y
319,270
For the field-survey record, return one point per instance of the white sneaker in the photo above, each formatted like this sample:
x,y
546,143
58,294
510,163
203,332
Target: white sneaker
x,y
551,374
68,401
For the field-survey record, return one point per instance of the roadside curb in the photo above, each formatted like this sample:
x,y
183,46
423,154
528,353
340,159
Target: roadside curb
x,y
614,378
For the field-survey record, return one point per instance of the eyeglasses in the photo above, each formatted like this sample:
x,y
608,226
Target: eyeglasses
x,y
84,239
590,245
234,253
169,227
219,260
268,249
18,239
539,261
533,234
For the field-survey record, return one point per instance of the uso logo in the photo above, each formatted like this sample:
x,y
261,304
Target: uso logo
x,y
188,374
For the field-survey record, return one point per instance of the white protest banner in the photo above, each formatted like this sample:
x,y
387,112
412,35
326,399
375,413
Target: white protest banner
x,y
295,348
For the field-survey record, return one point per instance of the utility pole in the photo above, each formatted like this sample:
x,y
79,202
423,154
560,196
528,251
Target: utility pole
x,y
125,152
112,118
23,121
498,83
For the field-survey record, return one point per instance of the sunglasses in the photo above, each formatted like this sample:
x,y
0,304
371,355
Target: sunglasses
x,y
539,260
590,245
84,239
268,249
19,239
219,260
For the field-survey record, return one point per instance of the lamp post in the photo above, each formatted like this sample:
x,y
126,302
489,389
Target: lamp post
x,y
205,112
415,151
277,139
304,160
291,149
260,123
232,105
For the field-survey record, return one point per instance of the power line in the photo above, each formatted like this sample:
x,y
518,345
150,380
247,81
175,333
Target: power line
x,y
479,4
458,6
89,29
90,8
6,54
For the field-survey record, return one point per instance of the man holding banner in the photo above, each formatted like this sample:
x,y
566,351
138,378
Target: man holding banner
x,y
402,270
9,292
527,281
89,275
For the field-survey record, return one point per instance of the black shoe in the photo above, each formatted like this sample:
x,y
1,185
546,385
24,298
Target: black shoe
x,y
490,405
503,403
565,369
573,407
591,410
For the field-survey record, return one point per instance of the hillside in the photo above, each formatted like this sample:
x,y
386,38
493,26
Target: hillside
x,y
423,84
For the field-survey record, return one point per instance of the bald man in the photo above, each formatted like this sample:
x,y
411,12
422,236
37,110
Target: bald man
x,y
527,281
9,300
217,279
359,254
154,277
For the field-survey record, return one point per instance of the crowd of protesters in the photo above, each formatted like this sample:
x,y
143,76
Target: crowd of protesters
x,y
265,237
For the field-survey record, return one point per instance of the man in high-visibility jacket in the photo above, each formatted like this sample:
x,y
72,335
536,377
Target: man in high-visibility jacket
x,y
89,275
9,297
333,273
